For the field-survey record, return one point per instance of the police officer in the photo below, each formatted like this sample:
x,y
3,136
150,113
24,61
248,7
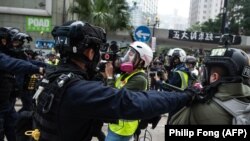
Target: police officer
x,y
223,79
8,67
137,58
68,102
17,50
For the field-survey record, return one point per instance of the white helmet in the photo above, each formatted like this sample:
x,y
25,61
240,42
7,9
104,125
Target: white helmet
x,y
146,53
177,52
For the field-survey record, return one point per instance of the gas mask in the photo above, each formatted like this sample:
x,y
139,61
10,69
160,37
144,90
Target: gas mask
x,y
127,62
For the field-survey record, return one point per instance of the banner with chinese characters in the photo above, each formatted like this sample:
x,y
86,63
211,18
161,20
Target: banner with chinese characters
x,y
38,24
204,37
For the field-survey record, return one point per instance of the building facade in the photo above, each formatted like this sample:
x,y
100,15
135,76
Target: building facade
x,y
143,11
202,10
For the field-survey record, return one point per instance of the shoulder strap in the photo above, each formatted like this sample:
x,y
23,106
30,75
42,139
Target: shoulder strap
x,y
234,106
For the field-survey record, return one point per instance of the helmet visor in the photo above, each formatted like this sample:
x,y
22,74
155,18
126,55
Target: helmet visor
x,y
131,56
17,43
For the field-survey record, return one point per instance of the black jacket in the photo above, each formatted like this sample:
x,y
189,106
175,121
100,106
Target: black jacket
x,y
8,67
13,65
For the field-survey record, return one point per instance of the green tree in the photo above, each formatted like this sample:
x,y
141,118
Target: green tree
x,y
212,25
82,9
238,18
111,15
239,15
234,26
245,13
195,28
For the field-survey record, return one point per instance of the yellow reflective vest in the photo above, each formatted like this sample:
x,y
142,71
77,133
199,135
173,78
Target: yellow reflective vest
x,y
56,62
184,79
125,127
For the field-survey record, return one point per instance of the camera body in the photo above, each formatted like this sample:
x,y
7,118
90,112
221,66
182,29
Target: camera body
x,y
158,73
152,73
108,56
109,52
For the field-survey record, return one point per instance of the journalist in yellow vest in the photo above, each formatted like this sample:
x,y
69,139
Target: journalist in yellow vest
x,y
52,59
179,75
136,58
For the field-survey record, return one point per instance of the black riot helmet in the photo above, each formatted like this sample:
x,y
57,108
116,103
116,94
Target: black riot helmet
x,y
4,37
234,61
21,38
7,33
12,30
72,38
4,33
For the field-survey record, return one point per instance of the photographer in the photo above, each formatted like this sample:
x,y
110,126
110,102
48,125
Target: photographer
x,y
190,63
157,73
159,77
179,76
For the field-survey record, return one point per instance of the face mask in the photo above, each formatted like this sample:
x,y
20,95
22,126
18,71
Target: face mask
x,y
127,67
126,63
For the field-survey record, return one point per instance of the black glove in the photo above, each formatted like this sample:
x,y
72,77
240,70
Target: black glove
x,y
195,94
154,121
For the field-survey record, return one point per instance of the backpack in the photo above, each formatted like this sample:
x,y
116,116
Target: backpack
x,y
238,109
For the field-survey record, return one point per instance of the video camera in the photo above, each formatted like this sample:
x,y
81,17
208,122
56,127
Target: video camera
x,y
158,73
109,52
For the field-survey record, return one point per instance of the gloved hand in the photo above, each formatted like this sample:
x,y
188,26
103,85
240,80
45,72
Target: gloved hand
x,y
41,70
154,121
195,94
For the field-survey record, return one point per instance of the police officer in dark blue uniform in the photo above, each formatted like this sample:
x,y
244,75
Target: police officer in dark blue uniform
x,y
8,67
68,103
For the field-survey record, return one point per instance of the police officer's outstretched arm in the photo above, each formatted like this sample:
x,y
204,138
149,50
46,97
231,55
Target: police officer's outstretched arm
x,y
91,99
14,65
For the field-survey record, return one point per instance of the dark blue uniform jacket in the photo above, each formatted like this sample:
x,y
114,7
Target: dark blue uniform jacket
x,y
13,65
